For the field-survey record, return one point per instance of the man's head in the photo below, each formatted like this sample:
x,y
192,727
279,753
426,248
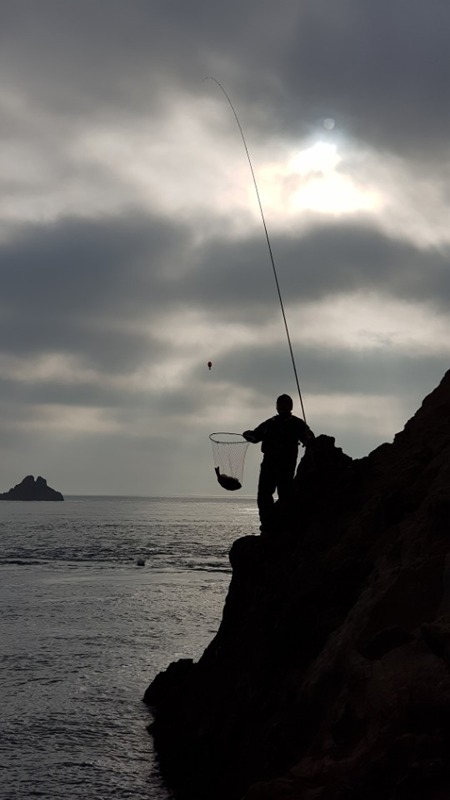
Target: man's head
x,y
284,404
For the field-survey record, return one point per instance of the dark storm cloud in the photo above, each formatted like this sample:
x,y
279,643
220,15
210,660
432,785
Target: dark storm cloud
x,y
380,68
328,259
84,265
100,346
347,257
89,288
55,392
268,371
94,58
77,285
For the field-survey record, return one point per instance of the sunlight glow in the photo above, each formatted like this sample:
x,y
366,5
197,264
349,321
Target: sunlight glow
x,y
314,179
189,163
320,157
181,166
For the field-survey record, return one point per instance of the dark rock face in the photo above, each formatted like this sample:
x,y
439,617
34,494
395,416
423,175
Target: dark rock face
x,y
329,677
30,489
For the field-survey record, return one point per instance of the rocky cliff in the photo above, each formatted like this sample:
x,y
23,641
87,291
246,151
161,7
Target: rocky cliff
x,y
329,676
30,489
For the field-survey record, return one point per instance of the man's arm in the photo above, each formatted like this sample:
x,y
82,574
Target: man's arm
x,y
305,433
257,435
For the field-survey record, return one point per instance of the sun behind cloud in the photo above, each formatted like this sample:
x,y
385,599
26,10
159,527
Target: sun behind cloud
x,y
313,179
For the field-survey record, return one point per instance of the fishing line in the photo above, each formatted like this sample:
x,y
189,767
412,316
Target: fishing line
x,y
272,260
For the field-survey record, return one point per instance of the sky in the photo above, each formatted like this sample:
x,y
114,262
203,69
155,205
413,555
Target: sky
x,y
132,249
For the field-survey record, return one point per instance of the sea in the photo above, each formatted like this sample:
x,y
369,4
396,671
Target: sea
x,y
98,595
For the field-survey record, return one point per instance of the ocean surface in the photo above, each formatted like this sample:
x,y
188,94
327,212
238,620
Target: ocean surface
x,y
84,630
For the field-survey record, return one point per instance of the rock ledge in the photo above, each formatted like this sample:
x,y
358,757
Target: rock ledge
x,y
329,677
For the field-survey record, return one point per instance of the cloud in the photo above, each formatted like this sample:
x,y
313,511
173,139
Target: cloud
x,y
132,249
378,69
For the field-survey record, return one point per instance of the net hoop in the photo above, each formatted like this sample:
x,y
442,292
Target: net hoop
x,y
221,437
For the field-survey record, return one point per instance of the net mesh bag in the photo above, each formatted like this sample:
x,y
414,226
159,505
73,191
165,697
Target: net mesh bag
x,y
229,451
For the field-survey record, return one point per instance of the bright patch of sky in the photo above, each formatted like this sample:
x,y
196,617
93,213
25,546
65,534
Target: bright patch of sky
x,y
132,249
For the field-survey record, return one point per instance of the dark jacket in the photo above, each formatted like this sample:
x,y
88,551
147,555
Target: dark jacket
x,y
280,436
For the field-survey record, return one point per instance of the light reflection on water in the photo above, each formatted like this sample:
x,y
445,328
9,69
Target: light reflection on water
x,y
83,631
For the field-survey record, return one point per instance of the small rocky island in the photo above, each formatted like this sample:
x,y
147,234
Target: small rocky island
x,y
30,489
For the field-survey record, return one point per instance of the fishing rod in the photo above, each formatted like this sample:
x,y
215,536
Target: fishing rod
x,y
272,260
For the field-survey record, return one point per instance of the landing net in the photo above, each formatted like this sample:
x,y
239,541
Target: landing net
x,y
229,451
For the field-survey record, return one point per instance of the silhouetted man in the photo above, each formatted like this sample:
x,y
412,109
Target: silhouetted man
x,y
280,437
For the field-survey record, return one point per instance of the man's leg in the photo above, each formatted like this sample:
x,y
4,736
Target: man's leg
x,y
285,483
266,488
